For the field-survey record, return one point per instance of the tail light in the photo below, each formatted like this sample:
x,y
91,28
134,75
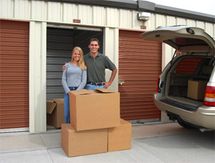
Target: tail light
x,y
158,88
209,96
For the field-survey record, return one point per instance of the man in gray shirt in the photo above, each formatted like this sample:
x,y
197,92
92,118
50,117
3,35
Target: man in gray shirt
x,y
96,64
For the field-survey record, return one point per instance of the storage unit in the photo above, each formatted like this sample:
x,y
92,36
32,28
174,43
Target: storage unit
x,y
60,42
47,23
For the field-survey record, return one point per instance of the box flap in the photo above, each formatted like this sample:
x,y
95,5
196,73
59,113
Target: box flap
x,y
103,90
58,100
51,106
83,92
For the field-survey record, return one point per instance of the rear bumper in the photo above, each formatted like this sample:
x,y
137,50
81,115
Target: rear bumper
x,y
203,116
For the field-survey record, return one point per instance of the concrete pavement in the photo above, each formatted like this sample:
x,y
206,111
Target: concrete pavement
x,y
158,143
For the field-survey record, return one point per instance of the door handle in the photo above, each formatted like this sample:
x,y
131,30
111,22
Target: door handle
x,y
121,82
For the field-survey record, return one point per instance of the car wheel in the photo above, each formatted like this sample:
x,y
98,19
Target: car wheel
x,y
185,124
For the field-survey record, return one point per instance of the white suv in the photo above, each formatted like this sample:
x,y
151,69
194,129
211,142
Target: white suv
x,y
186,87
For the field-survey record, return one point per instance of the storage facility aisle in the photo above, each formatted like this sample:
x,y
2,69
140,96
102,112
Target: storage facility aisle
x,y
151,143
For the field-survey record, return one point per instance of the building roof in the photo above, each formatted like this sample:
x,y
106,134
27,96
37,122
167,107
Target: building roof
x,y
146,6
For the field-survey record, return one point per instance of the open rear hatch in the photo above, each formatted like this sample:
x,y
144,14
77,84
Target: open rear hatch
x,y
188,40
182,38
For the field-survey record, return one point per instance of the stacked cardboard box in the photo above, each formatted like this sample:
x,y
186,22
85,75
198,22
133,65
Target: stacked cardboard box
x,y
119,138
95,124
84,142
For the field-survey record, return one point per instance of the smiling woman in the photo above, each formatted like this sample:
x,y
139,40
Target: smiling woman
x,y
74,78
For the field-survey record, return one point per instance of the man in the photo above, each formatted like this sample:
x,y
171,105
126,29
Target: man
x,y
96,64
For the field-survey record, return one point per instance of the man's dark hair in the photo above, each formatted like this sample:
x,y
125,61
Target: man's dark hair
x,y
94,39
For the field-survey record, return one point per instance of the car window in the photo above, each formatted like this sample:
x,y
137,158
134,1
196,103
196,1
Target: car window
x,y
188,65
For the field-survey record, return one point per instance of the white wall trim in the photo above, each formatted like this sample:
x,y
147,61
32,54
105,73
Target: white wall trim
x,y
111,49
37,77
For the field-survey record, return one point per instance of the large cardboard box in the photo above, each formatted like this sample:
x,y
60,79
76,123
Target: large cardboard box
x,y
196,89
94,109
84,142
55,112
119,138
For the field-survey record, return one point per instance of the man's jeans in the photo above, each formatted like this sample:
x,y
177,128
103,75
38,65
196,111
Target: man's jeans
x,y
93,87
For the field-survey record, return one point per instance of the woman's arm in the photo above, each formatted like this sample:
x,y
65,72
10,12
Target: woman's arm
x,y
84,80
64,83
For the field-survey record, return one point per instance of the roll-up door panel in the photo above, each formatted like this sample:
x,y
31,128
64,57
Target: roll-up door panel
x,y
14,73
139,68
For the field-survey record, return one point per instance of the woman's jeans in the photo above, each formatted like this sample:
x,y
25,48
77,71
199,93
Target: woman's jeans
x,y
67,106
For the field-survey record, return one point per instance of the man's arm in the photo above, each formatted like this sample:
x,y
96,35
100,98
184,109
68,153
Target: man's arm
x,y
113,75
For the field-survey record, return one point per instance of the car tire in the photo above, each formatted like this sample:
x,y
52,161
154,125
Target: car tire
x,y
185,124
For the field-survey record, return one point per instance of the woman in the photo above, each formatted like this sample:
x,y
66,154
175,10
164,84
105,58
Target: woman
x,y
74,78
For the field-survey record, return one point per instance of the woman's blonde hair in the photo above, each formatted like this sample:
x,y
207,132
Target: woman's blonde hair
x,y
81,62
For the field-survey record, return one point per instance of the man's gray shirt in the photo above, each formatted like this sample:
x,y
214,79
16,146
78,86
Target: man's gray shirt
x,y
96,67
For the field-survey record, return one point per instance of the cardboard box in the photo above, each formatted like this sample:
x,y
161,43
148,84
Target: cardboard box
x,y
84,142
94,109
55,112
196,89
119,138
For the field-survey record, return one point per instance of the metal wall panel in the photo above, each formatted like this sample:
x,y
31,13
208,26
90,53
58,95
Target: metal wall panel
x,y
214,30
54,12
99,16
70,12
151,23
125,23
181,21
200,24
85,14
170,20
112,17
22,9
191,22
209,28
62,12
39,10
160,20
6,9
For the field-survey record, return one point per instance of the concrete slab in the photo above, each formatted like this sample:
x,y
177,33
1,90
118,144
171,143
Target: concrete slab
x,y
136,154
23,142
51,140
157,143
38,156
